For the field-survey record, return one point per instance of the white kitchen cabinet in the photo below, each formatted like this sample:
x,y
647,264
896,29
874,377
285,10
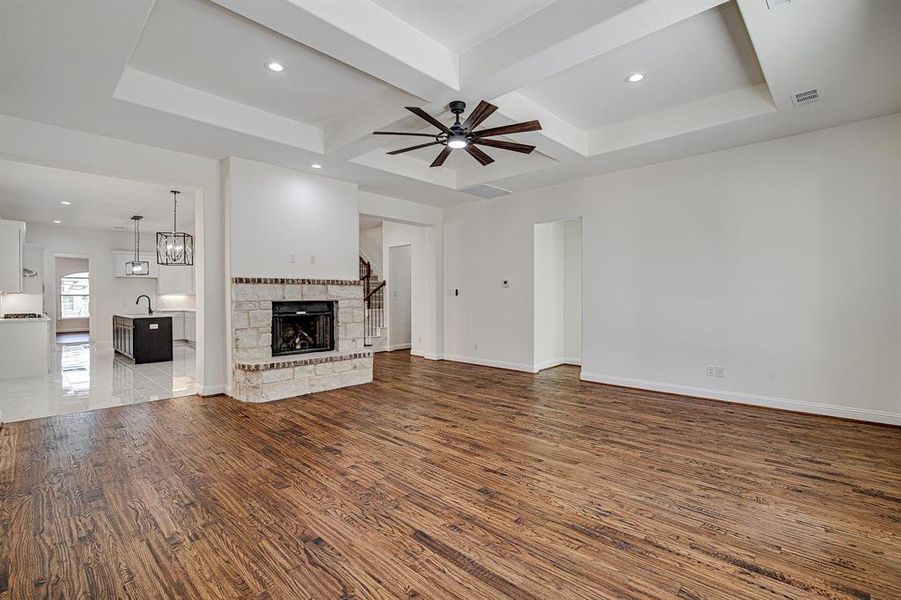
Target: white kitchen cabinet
x,y
190,327
178,322
12,256
175,280
122,257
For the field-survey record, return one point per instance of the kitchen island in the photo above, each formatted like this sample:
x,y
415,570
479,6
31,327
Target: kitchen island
x,y
144,338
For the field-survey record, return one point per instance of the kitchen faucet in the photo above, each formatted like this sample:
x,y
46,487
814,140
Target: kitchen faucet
x,y
138,301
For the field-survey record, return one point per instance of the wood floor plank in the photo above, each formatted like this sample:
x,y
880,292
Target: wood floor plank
x,y
443,480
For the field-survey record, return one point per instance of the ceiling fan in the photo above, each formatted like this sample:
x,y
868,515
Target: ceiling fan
x,y
463,135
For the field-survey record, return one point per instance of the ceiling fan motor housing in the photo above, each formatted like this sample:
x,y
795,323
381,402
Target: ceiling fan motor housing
x,y
457,107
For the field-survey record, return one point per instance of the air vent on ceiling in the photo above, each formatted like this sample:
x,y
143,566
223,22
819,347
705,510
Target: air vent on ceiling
x,y
805,97
486,191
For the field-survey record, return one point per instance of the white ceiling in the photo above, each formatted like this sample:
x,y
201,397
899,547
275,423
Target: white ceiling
x,y
33,193
205,47
700,57
188,76
458,25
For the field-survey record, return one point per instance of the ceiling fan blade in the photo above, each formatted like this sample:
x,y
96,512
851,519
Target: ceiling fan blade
x,y
426,116
439,160
508,129
402,150
524,148
480,156
431,135
482,112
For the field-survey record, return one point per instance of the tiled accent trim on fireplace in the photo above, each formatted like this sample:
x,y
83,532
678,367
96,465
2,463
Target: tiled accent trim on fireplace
x,y
282,280
313,359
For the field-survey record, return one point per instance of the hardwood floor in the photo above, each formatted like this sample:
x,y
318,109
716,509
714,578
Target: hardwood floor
x,y
446,480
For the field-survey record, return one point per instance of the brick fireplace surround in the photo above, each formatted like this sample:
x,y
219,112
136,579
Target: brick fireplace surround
x,y
260,377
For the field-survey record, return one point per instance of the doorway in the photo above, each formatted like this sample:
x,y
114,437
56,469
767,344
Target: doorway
x,y
72,288
557,300
400,303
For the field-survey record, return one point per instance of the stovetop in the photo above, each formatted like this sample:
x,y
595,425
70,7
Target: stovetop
x,y
23,316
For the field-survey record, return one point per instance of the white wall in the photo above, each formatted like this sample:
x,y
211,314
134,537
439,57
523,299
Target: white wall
x,y
548,327
572,292
275,213
779,261
400,297
109,294
371,248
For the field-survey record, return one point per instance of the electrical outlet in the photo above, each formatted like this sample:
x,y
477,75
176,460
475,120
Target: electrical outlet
x,y
710,371
312,259
720,372
475,345
292,258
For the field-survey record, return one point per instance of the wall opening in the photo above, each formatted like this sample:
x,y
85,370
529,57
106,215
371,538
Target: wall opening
x,y
557,300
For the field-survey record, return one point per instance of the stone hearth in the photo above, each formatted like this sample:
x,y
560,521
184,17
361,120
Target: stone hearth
x,y
260,377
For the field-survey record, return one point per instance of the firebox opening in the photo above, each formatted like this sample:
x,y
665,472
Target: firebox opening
x,y
302,327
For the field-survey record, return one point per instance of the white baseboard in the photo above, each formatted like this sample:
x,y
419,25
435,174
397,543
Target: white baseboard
x,y
431,356
832,410
394,347
212,390
573,361
548,364
488,363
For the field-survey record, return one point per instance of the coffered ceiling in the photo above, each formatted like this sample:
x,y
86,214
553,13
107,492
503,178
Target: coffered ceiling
x,y
191,76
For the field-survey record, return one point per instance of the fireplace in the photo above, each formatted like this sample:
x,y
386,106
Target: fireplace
x,y
302,327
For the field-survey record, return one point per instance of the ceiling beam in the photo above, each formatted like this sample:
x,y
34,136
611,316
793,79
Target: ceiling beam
x,y
364,36
563,35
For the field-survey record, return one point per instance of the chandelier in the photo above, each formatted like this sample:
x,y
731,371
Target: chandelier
x,y
174,248
137,267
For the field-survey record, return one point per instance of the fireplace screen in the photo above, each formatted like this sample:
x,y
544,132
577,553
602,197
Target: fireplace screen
x,y
300,327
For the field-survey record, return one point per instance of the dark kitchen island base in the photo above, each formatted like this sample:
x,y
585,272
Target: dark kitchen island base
x,y
144,339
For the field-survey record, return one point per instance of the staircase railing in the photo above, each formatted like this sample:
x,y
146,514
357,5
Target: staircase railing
x,y
373,313
373,303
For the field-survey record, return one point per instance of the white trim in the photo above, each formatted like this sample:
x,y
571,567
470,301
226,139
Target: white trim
x,y
211,390
555,362
573,361
832,410
394,347
488,363
431,356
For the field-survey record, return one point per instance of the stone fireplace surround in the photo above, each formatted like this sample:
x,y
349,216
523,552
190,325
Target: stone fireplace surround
x,y
260,377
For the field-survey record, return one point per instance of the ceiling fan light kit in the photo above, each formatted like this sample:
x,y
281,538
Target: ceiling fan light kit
x,y
463,136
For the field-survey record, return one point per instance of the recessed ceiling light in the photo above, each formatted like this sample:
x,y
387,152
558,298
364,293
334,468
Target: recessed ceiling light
x,y
65,203
635,77
57,222
274,66
316,166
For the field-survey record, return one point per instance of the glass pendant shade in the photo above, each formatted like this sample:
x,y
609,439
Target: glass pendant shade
x,y
137,267
174,248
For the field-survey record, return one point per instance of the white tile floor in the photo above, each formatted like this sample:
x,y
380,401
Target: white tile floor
x,y
87,377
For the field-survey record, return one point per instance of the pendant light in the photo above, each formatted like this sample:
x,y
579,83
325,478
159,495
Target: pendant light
x,y
174,248
137,267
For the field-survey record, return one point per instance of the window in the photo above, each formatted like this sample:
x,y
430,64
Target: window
x,y
75,296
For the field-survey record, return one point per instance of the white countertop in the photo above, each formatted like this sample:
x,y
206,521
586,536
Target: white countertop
x,y
44,319
155,315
